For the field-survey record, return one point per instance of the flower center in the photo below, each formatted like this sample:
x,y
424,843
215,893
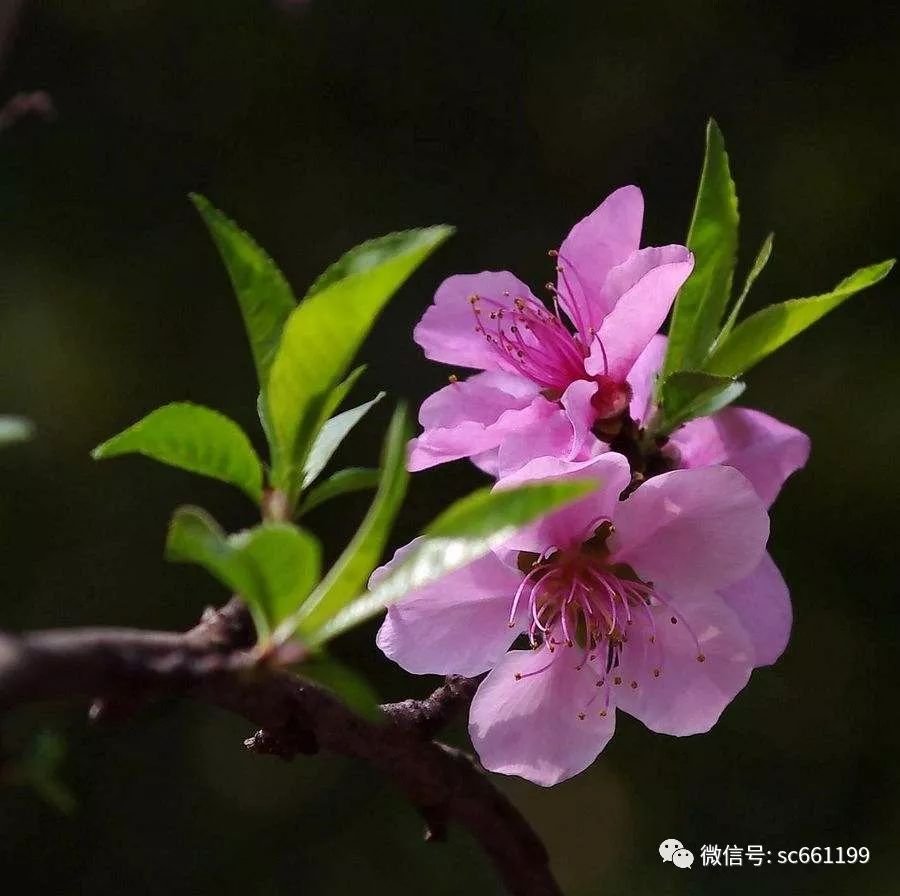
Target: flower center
x,y
582,599
538,345
531,340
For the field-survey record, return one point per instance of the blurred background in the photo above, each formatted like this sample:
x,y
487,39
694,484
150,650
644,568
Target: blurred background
x,y
316,125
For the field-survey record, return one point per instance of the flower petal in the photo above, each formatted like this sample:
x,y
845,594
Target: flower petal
x,y
474,415
642,291
447,330
689,695
573,524
596,244
552,437
566,433
532,726
692,529
642,378
762,603
764,449
456,626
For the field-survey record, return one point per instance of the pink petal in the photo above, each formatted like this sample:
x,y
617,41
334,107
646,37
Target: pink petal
x,y
642,378
531,727
692,529
576,522
565,434
473,416
764,449
597,243
447,330
762,603
552,437
456,626
642,291
688,696
487,462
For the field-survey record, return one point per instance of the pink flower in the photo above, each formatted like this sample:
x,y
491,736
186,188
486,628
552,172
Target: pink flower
x,y
765,450
625,604
541,378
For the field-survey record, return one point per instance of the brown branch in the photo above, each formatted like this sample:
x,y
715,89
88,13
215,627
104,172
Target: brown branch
x,y
119,669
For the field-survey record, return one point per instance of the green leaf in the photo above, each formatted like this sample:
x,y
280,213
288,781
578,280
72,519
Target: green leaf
x,y
320,412
273,567
688,394
289,562
15,429
347,578
762,333
369,255
325,331
265,298
762,259
497,513
467,530
353,479
346,683
194,438
195,537
713,239
330,436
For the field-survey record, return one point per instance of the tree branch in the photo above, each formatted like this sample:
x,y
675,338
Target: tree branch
x,y
119,669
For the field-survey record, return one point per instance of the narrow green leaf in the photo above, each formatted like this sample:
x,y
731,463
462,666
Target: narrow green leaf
x,y
14,429
344,682
353,479
317,415
713,238
467,530
325,331
265,298
330,436
337,395
762,259
762,333
347,578
194,438
688,394
273,567
496,513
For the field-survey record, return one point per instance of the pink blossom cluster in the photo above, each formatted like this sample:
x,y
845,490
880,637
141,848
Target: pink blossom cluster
x,y
655,594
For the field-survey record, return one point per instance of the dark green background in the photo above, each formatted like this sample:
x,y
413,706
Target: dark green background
x,y
320,126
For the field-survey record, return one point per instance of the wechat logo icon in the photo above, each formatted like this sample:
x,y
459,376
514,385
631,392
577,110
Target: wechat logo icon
x,y
673,851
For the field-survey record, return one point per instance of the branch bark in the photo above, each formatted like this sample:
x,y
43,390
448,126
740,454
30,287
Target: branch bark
x,y
119,669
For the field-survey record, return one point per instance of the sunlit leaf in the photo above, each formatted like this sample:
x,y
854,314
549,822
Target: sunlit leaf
x,y
265,298
352,479
713,238
330,436
348,577
324,333
467,530
273,567
371,254
194,438
762,333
